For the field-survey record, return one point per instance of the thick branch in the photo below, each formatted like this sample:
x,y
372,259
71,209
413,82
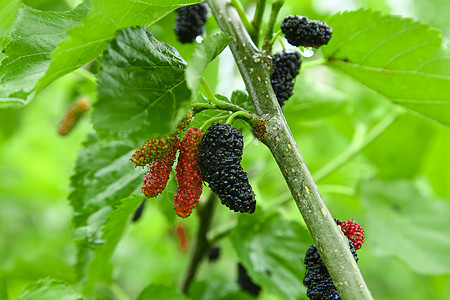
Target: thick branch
x,y
331,243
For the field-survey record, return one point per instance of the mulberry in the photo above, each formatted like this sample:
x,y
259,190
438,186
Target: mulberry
x,y
214,254
153,150
72,116
246,283
189,179
156,178
190,22
286,65
300,31
220,156
353,231
317,279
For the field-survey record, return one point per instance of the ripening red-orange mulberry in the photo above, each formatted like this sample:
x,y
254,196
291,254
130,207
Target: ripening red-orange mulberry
x,y
189,178
353,231
153,150
156,178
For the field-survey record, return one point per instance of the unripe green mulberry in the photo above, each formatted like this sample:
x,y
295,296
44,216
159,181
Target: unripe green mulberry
x,y
153,150
189,179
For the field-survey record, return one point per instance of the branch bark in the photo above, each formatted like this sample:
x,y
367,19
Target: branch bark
x,y
332,245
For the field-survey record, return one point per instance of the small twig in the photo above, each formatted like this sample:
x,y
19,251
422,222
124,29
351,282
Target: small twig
x,y
358,144
241,12
257,19
205,213
276,6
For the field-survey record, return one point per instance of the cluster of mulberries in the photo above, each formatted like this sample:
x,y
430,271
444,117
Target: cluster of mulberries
x,y
300,31
156,178
285,67
190,22
246,283
189,178
353,231
220,157
317,279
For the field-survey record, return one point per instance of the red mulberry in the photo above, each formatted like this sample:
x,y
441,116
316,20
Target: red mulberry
x,y
286,65
72,116
190,22
220,157
300,31
156,178
353,231
189,179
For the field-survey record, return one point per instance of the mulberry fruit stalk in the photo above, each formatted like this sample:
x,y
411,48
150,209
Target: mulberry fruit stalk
x,y
286,65
189,179
220,156
190,22
353,231
317,279
156,178
300,31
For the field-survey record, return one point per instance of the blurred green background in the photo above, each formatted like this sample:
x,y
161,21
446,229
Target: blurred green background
x,y
411,157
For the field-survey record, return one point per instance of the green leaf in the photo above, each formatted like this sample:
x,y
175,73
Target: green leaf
x,y
403,223
88,40
141,87
112,231
397,57
103,176
48,289
204,53
242,99
36,36
272,251
217,290
8,13
157,291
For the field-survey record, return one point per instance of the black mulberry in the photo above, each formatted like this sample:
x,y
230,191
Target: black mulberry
x,y
246,283
220,156
317,279
300,31
190,22
286,65
214,254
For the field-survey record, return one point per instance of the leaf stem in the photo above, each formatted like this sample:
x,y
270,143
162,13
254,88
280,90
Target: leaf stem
x,y
313,63
276,6
240,10
205,214
207,123
329,240
242,114
357,145
209,93
275,37
257,18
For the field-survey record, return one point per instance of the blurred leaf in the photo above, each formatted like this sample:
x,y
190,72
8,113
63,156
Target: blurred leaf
x,y
49,289
88,40
272,251
3,290
242,99
36,36
403,223
399,58
103,176
408,139
217,290
141,87
156,291
111,234
8,13
204,53
437,162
